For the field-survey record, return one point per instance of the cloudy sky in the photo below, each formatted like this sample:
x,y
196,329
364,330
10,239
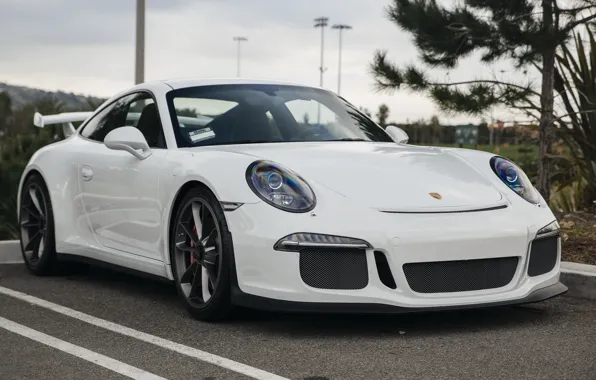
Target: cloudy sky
x,y
87,46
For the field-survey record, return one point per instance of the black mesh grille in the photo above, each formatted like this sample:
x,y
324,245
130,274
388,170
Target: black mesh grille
x,y
460,276
334,269
543,256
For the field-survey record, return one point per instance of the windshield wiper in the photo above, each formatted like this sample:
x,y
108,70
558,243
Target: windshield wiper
x,y
348,139
240,142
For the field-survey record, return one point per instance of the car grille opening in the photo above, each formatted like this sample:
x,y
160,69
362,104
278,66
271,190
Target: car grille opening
x,y
384,271
326,268
460,275
543,256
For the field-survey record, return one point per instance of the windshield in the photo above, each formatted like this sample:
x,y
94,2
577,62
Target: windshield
x,y
256,113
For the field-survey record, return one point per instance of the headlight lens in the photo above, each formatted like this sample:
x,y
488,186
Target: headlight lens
x,y
280,187
515,178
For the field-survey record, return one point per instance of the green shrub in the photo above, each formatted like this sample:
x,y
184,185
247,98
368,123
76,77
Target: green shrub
x,y
15,154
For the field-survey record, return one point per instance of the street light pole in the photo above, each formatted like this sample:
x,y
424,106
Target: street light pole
x,y
321,22
140,43
239,40
341,28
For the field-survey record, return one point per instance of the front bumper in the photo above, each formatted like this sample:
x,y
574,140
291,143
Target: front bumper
x,y
270,279
247,300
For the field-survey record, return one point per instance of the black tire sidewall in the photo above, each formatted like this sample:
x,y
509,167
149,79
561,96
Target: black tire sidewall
x,y
219,305
46,264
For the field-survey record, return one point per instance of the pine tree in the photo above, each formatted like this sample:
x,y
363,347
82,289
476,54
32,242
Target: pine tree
x,y
383,115
527,32
6,117
436,129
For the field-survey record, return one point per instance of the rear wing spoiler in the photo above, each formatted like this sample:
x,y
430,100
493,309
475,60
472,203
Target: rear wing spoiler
x,y
66,119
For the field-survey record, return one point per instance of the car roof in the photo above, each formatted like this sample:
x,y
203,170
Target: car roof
x,y
193,82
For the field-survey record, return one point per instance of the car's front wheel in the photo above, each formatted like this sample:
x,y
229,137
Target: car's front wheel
x,y
36,219
200,253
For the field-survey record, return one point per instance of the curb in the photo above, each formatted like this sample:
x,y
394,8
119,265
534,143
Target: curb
x,y
579,278
10,252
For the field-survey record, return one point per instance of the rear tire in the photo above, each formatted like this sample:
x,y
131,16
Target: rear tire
x,y
201,254
36,227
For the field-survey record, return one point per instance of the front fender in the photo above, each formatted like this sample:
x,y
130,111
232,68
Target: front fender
x,y
57,170
537,215
222,172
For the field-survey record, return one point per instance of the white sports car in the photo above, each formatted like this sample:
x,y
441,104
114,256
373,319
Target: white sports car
x,y
285,197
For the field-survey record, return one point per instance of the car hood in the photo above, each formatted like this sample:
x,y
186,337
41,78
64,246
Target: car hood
x,y
385,176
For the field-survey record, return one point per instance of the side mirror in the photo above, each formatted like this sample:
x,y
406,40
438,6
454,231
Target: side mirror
x,y
398,135
129,139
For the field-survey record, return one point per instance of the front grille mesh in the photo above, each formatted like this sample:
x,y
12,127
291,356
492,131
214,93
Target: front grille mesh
x,y
334,268
461,275
543,256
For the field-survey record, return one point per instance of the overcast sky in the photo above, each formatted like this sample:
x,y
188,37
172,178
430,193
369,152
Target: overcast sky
x,y
87,46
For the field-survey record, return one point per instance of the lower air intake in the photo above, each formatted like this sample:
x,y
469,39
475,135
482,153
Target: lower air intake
x,y
334,268
543,256
461,275
384,270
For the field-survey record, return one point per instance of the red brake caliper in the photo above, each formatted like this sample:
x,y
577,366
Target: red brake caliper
x,y
192,244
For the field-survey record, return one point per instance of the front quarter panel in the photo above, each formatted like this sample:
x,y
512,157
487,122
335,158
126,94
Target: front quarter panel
x,y
536,216
222,172
57,166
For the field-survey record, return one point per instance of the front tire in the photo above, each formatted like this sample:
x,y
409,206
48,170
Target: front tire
x,y
200,253
36,226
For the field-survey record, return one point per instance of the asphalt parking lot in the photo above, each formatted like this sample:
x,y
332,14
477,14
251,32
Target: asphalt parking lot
x,y
100,324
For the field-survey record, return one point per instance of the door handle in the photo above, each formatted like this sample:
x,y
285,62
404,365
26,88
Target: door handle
x,y
86,173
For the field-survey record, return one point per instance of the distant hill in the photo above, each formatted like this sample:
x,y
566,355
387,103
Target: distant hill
x,y
21,95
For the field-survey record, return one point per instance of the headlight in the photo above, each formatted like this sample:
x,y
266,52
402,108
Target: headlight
x,y
280,187
549,230
515,178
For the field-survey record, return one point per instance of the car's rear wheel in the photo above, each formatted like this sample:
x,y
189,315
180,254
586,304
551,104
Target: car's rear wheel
x,y
200,252
36,220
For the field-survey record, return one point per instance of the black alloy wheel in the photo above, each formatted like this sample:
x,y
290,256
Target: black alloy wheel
x,y
36,222
199,254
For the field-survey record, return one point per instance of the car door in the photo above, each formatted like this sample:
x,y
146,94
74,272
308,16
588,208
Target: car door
x,y
120,192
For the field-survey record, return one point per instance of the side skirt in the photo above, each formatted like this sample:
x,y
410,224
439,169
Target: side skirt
x,y
65,257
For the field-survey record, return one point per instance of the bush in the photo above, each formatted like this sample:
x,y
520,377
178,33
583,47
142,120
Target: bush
x,y
15,154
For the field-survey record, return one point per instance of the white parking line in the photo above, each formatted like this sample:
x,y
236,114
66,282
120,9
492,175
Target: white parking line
x,y
80,352
244,369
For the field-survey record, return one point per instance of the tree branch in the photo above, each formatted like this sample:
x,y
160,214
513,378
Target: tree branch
x,y
574,113
497,82
584,20
575,10
557,12
525,110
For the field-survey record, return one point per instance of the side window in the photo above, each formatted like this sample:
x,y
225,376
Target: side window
x,y
96,129
135,110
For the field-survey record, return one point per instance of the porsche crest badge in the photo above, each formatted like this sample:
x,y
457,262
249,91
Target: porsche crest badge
x,y
436,195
